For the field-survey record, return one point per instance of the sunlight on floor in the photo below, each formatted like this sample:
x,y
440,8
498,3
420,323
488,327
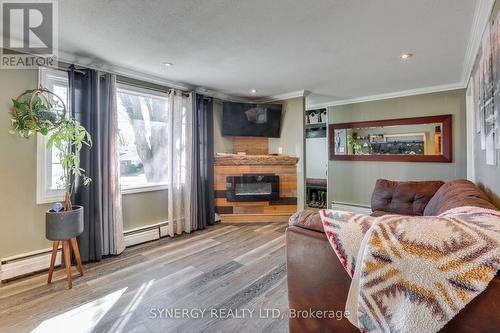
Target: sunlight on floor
x,y
119,325
81,319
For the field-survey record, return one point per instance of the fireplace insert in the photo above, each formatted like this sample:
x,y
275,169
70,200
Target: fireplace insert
x,y
260,187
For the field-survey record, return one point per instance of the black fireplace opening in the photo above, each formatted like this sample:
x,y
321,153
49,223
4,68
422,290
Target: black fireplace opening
x,y
255,187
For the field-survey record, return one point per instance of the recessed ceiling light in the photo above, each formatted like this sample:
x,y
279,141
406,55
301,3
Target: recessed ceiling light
x,y
406,56
168,64
253,91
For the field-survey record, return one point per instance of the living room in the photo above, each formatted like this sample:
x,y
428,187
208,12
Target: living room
x,y
181,166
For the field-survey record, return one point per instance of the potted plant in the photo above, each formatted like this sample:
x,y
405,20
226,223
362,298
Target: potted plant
x,y
42,111
356,146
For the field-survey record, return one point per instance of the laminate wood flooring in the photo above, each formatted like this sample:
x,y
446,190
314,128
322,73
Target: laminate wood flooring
x,y
226,278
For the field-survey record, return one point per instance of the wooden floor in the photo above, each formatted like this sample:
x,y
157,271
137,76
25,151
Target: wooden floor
x,y
218,270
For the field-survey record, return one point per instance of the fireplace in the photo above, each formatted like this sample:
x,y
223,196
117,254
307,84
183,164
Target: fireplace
x,y
255,187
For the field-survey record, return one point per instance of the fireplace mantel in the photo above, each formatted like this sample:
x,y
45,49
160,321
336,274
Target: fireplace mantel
x,y
238,159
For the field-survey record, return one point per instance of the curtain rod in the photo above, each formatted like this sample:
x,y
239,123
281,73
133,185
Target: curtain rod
x,y
127,75
125,81
143,86
76,70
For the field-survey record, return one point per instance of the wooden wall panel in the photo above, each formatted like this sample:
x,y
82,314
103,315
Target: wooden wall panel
x,y
250,145
257,211
254,209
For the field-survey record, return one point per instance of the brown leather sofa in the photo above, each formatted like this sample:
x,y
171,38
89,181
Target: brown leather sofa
x,y
317,280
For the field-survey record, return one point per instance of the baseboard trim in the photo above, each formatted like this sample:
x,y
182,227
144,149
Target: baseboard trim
x,y
145,234
27,265
36,261
142,237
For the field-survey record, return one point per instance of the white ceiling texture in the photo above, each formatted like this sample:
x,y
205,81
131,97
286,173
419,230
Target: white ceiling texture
x,y
337,50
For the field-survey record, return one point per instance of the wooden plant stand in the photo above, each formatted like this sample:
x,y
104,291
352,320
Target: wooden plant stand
x,y
67,259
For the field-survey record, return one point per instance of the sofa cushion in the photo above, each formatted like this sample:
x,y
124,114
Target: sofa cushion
x,y
457,193
405,198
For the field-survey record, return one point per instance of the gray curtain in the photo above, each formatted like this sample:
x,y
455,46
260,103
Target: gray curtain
x,y
202,186
93,103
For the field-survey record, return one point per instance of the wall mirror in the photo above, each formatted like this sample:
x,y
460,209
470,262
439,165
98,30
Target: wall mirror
x,y
422,139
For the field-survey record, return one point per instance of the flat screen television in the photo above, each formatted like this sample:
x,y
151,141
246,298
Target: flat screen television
x,y
244,119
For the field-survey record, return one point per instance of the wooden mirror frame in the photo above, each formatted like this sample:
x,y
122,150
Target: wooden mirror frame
x,y
446,131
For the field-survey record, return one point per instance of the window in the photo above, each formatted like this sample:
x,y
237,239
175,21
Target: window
x,y
49,169
142,139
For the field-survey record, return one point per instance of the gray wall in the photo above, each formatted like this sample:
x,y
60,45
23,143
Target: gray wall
x,y
486,176
142,209
222,144
353,181
291,141
22,221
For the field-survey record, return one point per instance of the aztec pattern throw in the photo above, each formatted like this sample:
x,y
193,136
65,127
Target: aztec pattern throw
x,y
414,273
345,231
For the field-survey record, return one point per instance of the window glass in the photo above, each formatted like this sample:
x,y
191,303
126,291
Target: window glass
x,y
142,138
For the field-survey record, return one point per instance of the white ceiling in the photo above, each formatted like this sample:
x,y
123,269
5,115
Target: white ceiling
x,y
336,49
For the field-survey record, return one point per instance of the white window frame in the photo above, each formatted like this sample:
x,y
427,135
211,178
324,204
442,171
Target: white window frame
x,y
139,91
44,194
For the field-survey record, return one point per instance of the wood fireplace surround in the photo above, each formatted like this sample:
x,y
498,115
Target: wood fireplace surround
x,y
255,187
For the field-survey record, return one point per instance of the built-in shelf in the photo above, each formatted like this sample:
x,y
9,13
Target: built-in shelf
x,y
317,125
316,193
317,130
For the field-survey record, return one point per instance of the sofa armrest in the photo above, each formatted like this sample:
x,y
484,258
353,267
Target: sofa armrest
x,y
316,281
307,219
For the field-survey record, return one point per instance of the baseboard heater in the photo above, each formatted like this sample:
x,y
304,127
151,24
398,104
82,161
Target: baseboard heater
x,y
351,207
38,261
25,264
145,234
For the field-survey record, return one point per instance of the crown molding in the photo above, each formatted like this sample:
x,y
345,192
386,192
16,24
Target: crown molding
x,y
480,21
281,97
221,96
404,93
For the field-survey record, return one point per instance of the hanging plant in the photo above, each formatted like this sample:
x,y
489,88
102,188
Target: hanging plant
x,y
34,112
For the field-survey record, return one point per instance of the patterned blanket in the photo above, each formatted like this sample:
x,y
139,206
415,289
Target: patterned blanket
x,y
414,274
